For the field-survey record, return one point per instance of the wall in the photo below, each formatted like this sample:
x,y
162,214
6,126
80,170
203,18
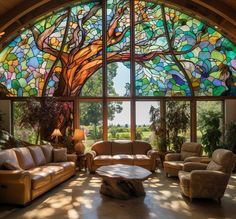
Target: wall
x,y
5,108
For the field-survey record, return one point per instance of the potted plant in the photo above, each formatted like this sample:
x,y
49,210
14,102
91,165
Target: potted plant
x,y
209,126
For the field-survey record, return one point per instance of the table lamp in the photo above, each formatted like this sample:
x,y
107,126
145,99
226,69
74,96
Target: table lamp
x,y
78,138
56,133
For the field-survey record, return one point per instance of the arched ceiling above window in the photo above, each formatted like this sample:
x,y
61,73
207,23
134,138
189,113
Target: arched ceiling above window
x,y
175,54
16,14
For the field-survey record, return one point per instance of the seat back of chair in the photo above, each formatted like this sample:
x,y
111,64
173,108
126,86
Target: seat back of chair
x,y
222,160
190,149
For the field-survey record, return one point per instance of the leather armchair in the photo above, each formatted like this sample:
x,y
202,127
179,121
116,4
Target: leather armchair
x,y
190,151
198,180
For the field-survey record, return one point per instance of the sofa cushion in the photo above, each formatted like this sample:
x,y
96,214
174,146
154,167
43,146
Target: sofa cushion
x,y
103,160
141,159
65,165
8,155
47,151
8,165
25,158
59,155
102,148
37,155
121,147
123,159
39,177
52,169
141,147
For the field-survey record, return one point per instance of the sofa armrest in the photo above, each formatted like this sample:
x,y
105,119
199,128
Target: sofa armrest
x,y
91,154
193,159
173,157
152,153
190,166
15,187
71,157
89,158
14,176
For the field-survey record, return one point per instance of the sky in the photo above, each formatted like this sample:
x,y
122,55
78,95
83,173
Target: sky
x,y
142,113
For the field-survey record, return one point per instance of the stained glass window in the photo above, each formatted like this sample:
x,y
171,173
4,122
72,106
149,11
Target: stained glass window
x,y
174,53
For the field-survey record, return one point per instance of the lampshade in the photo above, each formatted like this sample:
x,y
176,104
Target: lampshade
x,y
56,132
79,135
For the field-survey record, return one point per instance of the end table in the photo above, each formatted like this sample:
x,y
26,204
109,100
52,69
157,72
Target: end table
x,y
81,161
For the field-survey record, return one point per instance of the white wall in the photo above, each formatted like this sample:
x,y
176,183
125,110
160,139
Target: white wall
x,y
5,108
230,111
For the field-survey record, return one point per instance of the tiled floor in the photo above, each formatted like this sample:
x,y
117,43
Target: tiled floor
x,y
79,197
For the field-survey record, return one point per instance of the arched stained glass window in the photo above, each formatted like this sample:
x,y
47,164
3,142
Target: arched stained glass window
x,y
174,53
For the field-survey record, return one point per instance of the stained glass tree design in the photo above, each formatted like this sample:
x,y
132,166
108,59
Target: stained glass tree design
x,y
175,54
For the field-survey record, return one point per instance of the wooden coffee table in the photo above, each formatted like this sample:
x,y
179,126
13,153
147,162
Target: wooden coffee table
x,y
122,181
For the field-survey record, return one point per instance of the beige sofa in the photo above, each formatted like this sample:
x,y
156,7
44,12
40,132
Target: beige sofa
x,y
174,162
138,153
28,172
199,180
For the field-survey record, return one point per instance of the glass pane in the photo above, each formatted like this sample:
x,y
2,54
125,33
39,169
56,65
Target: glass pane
x,y
20,131
118,48
93,86
203,108
119,120
143,122
34,121
91,122
177,123
118,79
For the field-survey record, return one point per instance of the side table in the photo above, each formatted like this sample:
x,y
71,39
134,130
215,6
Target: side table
x,y
81,161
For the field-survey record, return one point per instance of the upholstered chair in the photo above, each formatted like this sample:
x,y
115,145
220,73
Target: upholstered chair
x,y
199,180
190,151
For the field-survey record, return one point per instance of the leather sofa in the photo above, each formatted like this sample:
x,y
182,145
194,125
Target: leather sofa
x,y
32,172
138,153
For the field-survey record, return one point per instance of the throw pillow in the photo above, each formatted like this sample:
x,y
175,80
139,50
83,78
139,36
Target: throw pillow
x,y
8,165
59,155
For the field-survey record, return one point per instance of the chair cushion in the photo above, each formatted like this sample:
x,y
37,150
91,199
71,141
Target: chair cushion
x,y
123,159
174,164
190,149
8,155
121,147
141,147
103,160
8,165
47,151
141,159
222,160
37,155
102,148
59,155
25,158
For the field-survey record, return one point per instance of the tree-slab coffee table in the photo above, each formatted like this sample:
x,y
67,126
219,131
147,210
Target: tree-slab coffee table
x,y
122,181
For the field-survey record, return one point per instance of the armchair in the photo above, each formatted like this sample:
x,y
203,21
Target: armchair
x,y
198,180
190,151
